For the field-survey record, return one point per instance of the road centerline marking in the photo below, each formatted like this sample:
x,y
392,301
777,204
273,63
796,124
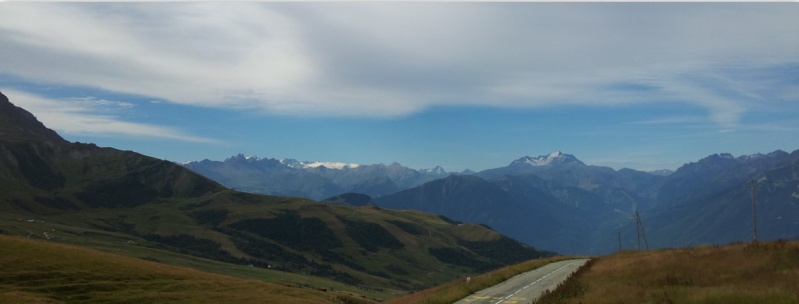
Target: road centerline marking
x,y
533,283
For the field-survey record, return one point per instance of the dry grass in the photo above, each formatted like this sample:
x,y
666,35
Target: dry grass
x,y
34,271
738,273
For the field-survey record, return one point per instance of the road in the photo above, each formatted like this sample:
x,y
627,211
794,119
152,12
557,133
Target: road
x,y
525,287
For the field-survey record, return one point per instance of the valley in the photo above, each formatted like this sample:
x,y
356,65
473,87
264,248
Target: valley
x,y
436,229
558,203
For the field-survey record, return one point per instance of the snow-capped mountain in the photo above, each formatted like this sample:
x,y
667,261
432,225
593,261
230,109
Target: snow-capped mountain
x,y
316,164
661,172
467,172
552,162
555,201
434,171
553,158
312,179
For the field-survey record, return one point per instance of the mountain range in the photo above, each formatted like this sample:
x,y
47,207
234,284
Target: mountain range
x,y
554,202
557,202
133,204
315,180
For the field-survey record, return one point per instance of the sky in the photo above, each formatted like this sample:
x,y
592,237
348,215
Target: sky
x,y
472,85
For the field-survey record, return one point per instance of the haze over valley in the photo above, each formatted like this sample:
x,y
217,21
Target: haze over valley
x,y
555,201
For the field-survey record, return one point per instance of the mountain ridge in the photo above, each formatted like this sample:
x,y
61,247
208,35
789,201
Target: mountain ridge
x,y
554,158
19,125
313,179
321,181
601,201
559,186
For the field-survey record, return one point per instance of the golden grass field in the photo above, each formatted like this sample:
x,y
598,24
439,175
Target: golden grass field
x,y
737,273
37,271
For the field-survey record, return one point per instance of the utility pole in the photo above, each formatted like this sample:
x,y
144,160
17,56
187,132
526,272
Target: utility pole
x,y
753,183
619,240
640,231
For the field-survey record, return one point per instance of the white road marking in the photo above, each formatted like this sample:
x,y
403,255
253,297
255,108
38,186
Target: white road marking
x,y
533,283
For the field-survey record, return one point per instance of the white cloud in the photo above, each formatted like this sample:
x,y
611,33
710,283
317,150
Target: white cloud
x,y
224,55
386,59
74,116
100,102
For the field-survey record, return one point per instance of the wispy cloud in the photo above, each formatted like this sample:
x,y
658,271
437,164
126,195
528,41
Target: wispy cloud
x,y
670,120
774,127
388,59
80,116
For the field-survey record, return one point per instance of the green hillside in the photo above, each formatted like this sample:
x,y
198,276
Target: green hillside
x,y
367,247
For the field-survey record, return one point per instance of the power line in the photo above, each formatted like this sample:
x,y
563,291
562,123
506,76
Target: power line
x,y
640,231
754,211
692,202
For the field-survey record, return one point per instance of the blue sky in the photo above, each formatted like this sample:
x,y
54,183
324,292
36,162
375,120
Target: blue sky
x,y
461,85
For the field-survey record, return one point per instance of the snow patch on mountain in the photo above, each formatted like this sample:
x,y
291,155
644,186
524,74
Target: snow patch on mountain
x,y
743,158
434,171
661,172
755,156
330,165
468,172
293,163
553,158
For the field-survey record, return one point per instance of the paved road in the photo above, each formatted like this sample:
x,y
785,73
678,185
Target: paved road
x,y
527,286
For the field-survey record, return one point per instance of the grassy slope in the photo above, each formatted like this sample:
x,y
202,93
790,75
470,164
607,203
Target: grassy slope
x,y
421,269
40,228
738,273
44,272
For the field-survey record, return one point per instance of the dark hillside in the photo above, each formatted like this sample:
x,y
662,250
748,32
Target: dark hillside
x,y
16,124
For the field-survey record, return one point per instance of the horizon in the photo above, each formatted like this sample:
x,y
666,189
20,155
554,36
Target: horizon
x,y
645,86
332,164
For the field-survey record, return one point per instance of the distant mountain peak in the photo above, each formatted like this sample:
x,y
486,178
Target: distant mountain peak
x,y
468,172
18,124
661,172
241,158
725,155
293,163
290,162
329,165
434,171
742,158
554,158
757,156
